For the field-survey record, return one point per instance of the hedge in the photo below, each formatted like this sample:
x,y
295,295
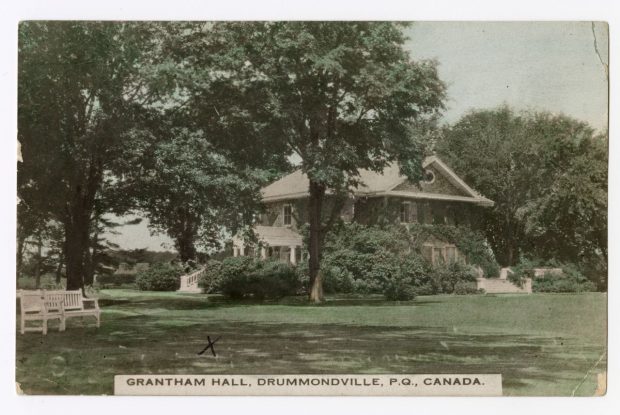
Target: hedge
x,y
160,277
248,277
116,280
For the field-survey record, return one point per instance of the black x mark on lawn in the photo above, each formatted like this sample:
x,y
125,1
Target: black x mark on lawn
x,y
209,345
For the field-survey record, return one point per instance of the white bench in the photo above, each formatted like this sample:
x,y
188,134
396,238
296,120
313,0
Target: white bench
x,y
75,305
34,306
49,305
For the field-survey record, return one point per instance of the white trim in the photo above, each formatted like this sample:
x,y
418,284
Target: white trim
x,y
290,214
432,173
455,179
437,196
450,175
482,201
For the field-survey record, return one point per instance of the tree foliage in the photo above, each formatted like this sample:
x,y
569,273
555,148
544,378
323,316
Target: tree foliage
x,y
547,175
193,193
340,96
81,93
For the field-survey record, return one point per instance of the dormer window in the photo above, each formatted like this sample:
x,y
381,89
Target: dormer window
x,y
288,214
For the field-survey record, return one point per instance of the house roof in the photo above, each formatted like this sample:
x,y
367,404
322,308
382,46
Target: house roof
x,y
274,236
295,185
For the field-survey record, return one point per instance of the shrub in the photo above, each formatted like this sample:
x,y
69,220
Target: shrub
x,y
115,280
242,277
447,277
372,260
276,280
303,276
572,280
160,277
469,242
210,280
399,288
524,269
466,287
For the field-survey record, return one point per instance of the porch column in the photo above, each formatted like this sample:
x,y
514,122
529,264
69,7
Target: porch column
x,y
293,254
263,252
242,250
235,251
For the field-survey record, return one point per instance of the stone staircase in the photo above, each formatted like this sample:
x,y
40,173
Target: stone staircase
x,y
502,285
189,282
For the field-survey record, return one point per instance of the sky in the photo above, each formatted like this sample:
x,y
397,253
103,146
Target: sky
x,y
541,66
549,66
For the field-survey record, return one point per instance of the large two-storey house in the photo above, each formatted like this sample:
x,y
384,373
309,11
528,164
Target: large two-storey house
x,y
387,197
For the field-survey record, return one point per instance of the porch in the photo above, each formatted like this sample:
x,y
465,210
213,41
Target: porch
x,y
280,243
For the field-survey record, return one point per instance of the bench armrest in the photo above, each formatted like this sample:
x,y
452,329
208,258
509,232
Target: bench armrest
x,y
91,300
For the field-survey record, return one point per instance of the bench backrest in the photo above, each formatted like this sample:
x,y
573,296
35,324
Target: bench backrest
x,y
31,302
54,301
73,300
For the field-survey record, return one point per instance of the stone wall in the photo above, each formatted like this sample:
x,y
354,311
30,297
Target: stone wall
x,y
502,286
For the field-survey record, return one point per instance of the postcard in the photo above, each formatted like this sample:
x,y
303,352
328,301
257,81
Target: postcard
x,y
312,208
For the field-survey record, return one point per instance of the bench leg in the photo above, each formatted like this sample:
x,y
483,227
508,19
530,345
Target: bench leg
x,y
44,326
63,325
98,320
23,326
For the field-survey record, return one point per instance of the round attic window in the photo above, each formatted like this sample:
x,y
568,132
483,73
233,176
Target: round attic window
x,y
429,177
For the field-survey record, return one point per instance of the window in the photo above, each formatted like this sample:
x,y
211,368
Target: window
x,y
425,213
450,253
438,214
288,214
404,212
427,252
437,256
408,212
429,177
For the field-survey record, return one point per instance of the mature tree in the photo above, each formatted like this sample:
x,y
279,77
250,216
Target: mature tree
x,y
340,96
81,91
489,150
547,175
192,193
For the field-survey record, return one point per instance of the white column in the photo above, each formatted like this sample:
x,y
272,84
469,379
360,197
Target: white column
x,y
242,250
235,251
293,255
263,252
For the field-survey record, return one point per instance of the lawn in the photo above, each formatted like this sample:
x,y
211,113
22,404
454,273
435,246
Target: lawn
x,y
542,344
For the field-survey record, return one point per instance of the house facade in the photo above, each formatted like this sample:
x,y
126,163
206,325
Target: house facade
x,y
382,198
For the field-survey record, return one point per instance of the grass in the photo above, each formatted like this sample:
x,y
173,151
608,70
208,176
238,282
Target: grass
x,y
542,344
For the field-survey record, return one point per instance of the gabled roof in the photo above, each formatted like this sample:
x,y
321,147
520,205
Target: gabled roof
x,y
295,185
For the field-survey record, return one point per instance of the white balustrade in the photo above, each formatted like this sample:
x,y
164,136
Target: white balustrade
x,y
189,282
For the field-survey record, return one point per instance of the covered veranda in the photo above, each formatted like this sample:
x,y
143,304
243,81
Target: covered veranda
x,y
281,243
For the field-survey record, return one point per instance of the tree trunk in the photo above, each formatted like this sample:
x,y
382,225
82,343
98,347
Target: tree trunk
x,y
76,234
61,259
37,271
510,255
89,265
21,243
185,245
317,194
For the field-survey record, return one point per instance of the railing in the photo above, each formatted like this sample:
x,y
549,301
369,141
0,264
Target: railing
x,y
190,281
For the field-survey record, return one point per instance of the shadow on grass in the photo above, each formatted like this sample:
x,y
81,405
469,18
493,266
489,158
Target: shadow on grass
x,y
214,301
84,360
